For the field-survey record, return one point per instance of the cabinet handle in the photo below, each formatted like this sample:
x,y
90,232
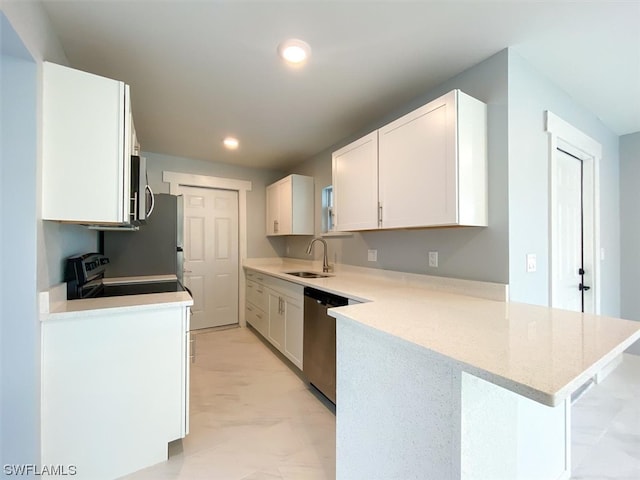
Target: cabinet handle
x,y
275,226
259,278
258,290
249,285
192,345
379,214
259,316
250,309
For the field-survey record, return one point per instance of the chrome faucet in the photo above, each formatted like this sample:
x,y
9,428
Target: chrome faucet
x,y
325,263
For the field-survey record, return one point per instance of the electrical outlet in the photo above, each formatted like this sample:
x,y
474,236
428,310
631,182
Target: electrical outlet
x,y
372,255
531,262
433,259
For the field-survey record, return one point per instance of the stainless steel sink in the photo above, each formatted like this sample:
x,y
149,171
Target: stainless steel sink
x,y
308,274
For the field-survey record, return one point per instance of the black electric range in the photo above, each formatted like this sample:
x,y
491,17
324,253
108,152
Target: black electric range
x,y
84,275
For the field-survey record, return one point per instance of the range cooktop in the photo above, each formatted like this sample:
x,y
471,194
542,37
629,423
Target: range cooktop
x,y
116,290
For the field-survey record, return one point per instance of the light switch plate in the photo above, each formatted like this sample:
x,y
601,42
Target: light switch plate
x,y
372,255
433,259
531,262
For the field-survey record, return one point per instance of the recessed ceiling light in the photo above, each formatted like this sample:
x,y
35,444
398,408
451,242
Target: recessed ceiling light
x,y
231,143
294,51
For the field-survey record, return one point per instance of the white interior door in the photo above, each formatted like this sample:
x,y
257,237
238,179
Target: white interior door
x,y
211,255
571,250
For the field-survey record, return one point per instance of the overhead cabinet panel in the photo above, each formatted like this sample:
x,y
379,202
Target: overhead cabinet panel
x,y
86,147
430,170
289,206
355,184
418,168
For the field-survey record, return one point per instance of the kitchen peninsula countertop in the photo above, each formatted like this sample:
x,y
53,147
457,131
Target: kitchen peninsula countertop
x,y
541,353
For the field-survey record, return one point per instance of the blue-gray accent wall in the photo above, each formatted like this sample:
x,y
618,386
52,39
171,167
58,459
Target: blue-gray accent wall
x,y
19,322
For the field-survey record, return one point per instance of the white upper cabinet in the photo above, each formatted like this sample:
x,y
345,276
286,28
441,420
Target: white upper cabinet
x,y
355,185
431,167
87,138
290,206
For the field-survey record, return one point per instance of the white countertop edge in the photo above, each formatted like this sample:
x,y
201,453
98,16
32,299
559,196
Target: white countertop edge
x,y
550,399
139,279
55,306
278,267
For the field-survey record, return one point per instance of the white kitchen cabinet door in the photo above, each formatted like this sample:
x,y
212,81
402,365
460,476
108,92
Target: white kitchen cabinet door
x,y
86,147
294,330
188,356
280,204
355,185
276,319
290,206
432,165
114,388
273,209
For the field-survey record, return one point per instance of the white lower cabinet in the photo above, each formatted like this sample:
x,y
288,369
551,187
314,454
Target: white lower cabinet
x,y
276,319
258,319
294,329
275,309
115,389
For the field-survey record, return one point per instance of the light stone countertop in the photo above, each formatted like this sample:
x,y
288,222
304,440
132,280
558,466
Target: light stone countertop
x,y
55,306
541,353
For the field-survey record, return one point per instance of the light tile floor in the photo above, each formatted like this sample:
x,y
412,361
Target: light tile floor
x,y
605,425
253,418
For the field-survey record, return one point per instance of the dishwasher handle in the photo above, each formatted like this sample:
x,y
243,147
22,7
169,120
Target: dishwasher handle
x,y
325,298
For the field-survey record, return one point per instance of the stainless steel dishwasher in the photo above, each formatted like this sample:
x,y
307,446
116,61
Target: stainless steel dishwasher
x,y
319,353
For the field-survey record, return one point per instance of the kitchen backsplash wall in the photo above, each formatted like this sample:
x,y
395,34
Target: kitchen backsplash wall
x,y
258,245
472,253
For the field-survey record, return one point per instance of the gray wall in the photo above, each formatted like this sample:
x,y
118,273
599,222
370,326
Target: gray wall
x,y
55,241
530,94
630,228
258,245
19,326
471,253
39,247
517,96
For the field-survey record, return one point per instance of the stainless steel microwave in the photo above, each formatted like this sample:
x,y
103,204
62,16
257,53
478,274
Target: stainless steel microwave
x,y
141,200
141,193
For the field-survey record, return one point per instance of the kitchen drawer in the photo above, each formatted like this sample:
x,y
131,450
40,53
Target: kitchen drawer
x,y
256,294
257,319
255,276
284,287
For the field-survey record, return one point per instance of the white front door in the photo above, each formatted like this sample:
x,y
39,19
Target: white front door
x,y
572,255
211,255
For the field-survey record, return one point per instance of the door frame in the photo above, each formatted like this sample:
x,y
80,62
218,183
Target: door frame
x,y
565,136
177,180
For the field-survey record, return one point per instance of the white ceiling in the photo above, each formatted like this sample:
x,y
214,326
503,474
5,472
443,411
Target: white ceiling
x,y
200,70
